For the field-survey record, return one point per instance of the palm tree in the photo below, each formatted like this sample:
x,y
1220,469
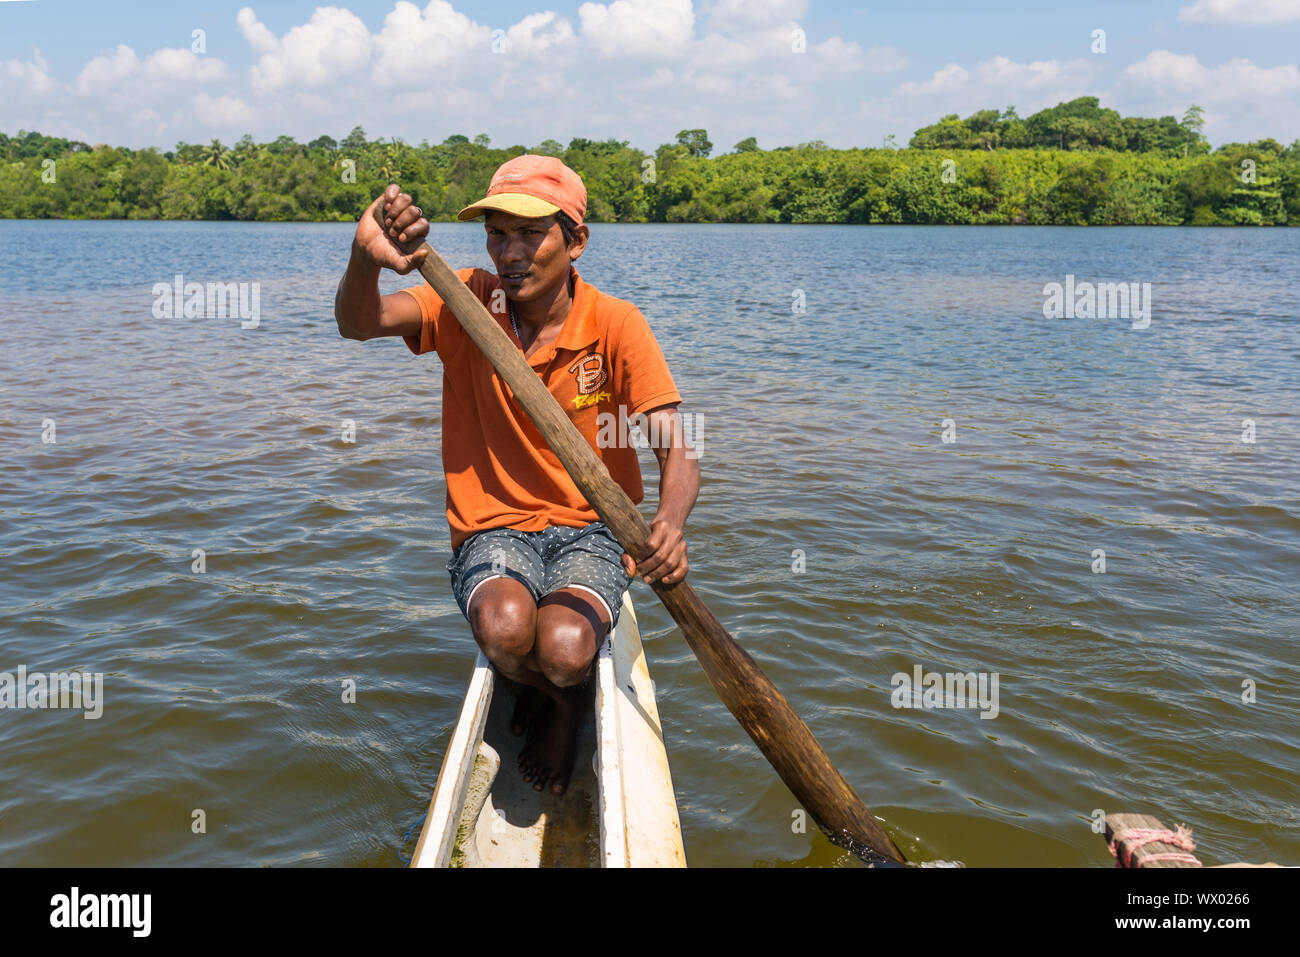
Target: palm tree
x,y
393,160
246,149
216,155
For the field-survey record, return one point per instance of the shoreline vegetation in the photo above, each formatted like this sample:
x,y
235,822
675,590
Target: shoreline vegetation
x,y
1073,164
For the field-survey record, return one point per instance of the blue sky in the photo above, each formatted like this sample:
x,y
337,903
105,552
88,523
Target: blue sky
x,y
127,74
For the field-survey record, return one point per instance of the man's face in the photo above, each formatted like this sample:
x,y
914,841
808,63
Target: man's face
x,y
530,254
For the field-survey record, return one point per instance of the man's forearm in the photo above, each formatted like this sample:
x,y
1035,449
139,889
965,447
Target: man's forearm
x,y
679,484
357,303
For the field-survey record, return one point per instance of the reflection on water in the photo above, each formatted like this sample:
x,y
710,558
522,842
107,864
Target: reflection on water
x,y
825,438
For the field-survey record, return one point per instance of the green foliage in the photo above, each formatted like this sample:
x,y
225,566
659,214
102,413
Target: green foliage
x,y
356,140
950,133
26,145
981,170
216,155
919,194
1194,119
1080,124
284,146
696,141
595,147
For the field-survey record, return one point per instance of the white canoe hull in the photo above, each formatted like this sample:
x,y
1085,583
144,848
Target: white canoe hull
x,y
619,809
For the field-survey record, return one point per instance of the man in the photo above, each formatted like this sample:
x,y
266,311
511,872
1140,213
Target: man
x,y
538,576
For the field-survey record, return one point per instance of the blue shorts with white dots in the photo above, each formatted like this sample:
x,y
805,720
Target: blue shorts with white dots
x,y
589,558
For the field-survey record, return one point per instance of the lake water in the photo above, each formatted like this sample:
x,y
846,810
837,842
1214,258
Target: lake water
x,y
824,437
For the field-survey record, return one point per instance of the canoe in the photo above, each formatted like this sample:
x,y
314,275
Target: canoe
x,y
619,809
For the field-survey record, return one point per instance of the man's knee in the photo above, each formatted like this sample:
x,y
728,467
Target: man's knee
x,y
566,646
503,618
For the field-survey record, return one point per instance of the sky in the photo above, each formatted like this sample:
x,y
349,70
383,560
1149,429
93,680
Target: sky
x,y
153,73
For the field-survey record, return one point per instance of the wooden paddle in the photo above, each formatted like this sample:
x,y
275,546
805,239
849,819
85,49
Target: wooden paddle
x,y
748,694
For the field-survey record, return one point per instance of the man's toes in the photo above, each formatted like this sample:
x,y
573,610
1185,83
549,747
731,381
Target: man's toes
x,y
526,765
559,785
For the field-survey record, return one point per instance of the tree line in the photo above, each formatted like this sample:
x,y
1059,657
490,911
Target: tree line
x,y
1080,124
1073,164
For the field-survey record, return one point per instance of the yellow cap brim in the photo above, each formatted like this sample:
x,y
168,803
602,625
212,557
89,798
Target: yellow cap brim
x,y
518,204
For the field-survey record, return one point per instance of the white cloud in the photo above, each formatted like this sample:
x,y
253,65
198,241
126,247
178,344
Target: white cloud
x,y
122,78
258,35
447,109
222,112
538,34
540,94
661,79
1002,72
148,122
415,46
752,12
750,88
1248,12
947,79
837,54
1238,79
27,78
332,44
629,69
644,28
105,72
171,65
774,46
719,51
1002,75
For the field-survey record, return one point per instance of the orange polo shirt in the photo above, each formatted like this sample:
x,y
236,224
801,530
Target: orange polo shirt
x,y
500,471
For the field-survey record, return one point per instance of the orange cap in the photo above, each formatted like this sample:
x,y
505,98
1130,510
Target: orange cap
x,y
532,186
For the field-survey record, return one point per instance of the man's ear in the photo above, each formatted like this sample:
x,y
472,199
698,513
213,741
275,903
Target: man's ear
x,y
579,244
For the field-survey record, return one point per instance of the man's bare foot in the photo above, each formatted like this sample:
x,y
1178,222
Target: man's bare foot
x,y
541,720
529,705
549,756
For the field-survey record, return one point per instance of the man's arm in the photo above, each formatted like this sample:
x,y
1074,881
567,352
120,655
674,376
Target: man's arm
x,y
360,311
679,484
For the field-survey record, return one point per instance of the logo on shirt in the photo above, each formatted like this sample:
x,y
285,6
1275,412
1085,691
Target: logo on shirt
x,y
590,374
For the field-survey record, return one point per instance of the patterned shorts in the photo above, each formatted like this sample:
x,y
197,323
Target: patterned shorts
x,y
588,558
